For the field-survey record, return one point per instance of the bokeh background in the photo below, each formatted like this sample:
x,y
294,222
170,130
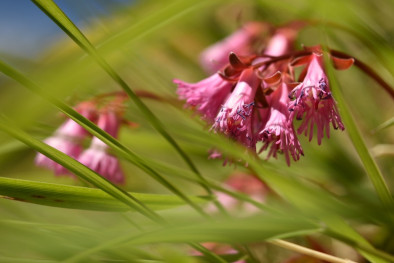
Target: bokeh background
x,y
149,43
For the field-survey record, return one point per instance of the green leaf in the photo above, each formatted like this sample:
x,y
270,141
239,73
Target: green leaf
x,y
75,197
342,231
384,125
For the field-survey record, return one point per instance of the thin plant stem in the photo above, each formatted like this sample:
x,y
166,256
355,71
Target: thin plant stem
x,y
367,70
309,252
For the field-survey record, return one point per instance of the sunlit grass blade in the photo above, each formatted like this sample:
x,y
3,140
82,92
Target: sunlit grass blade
x,y
384,125
78,169
342,231
80,197
61,19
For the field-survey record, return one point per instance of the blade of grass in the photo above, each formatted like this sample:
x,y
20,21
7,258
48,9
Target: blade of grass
x,y
384,125
309,252
340,230
75,197
369,163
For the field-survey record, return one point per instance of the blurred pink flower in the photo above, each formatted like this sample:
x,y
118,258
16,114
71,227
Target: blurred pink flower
x,y
279,131
67,139
313,102
246,184
207,95
240,42
97,158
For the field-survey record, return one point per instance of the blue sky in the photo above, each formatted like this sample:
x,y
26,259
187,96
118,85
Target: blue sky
x,y
25,30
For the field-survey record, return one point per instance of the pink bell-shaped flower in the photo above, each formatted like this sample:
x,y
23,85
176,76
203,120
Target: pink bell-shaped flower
x,y
97,158
240,42
67,139
313,103
235,117
279,132
206,96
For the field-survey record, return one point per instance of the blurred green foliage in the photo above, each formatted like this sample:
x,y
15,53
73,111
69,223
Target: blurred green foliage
x,y
148,45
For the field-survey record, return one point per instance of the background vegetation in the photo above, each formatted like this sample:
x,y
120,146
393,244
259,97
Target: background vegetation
x,y
333,194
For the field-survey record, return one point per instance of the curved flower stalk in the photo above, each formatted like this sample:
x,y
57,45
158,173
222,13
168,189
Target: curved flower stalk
x,y
96,157
313,102
67,139
240,42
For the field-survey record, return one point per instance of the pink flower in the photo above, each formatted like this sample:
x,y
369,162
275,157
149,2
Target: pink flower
x,y
313,102
240,42
281,42
207,95
279,131
97,157
235,117
246,184
67,139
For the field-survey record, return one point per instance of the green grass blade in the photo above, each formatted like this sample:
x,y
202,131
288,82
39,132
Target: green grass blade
x,y
84,198
61,19
78,169
342,231
369,163
384,125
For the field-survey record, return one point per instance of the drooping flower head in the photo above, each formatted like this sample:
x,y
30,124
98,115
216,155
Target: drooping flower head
x,y
279,132
313,102
205,96
235,117
107,111
97,157
253,98
240,42
67,139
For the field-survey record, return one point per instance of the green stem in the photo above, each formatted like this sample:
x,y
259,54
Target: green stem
x,y
369,163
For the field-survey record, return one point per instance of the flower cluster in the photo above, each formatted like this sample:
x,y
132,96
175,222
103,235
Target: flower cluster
x,y
69,138
255,97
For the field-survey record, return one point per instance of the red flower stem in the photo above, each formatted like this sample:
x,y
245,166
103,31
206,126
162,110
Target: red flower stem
x,y
368,70
110,94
